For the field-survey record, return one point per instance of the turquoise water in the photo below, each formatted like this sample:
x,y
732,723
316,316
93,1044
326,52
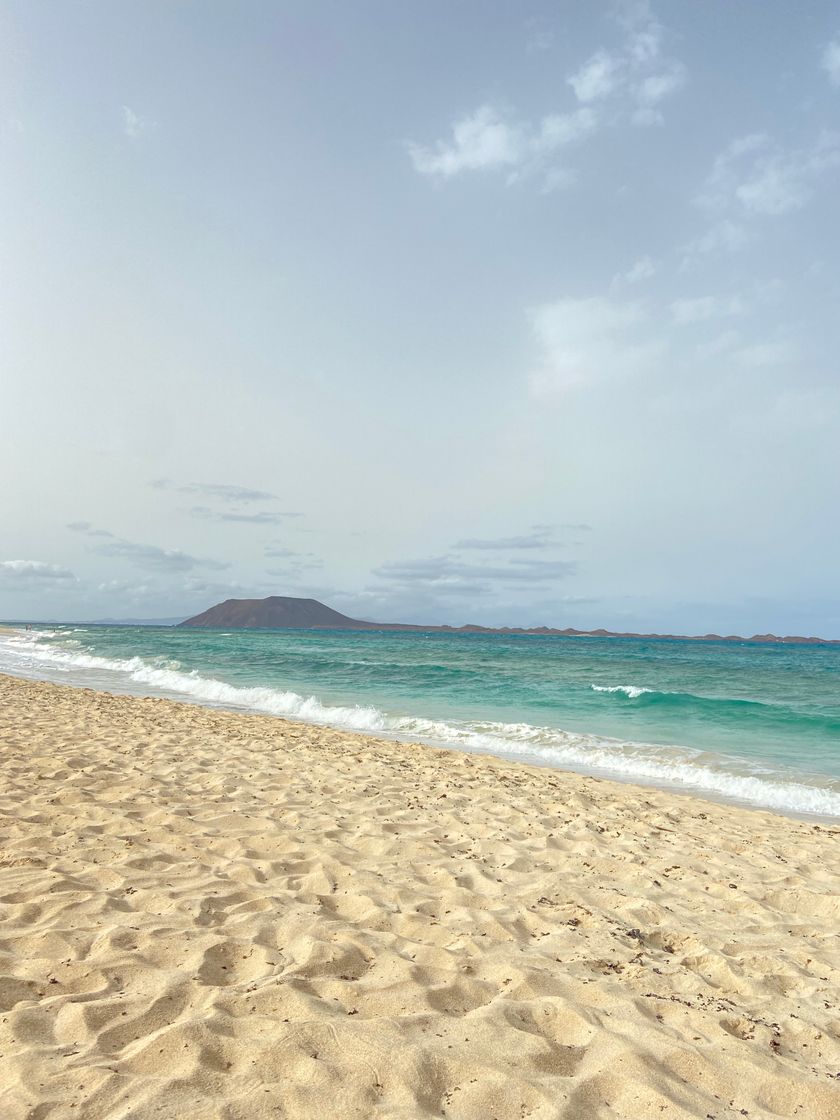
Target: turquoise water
x,y
758,724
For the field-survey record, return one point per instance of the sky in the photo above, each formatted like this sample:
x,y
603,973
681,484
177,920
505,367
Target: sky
x,y
512,314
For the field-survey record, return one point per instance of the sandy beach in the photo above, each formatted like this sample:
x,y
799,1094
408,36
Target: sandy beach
x,y
213,915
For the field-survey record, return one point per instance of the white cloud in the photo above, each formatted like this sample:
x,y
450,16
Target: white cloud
x,y
655,88
731,346
636,78
643,269
558,129
831,61
598,77
556,178
722,180
587,341
756,355
761,178
480,142
646,117
702,308
33,570
776,188
652,89
723,343
724,236
637,72
644,45
133,125
487,141
804,409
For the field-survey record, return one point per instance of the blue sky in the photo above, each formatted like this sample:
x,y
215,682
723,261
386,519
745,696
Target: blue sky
x,y
512,314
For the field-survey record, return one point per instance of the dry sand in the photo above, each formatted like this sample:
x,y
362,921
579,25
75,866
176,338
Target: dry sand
x,y
205,914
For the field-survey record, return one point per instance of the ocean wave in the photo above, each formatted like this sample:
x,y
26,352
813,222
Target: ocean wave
x,y
671,766
683,699
630,690
726,711
167,676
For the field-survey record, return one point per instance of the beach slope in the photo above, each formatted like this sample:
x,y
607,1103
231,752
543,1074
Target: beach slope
x,y
212,915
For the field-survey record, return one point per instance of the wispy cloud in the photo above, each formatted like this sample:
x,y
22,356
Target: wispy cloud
x,y
33,571
588,341
654,89
259,517
154,558
637,73
133,125
593,342
296,562
230,497
830,61
88,529
600,76
481,141
758,355
195,586
443,569
722,344
224,491
540,539
643,269
296,569
539,34
276,551
724,236
143,555
490,140
734,349
760,178
127,588
410,601
540,536
702,308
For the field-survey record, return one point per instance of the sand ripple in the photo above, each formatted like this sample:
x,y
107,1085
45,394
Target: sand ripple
x,y
209,915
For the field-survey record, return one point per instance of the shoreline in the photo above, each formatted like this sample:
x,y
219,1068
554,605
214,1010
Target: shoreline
x,y
601,770
215,913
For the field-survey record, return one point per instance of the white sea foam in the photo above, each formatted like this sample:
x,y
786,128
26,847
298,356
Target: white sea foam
x,y
672,767
631,690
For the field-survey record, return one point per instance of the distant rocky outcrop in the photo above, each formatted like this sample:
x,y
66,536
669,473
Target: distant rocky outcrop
x,y
277,612
283,612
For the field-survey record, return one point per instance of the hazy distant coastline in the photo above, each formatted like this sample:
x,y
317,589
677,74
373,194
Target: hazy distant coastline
x,y
282,612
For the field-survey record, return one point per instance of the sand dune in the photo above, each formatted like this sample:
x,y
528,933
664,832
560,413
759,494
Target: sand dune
x,y
211,915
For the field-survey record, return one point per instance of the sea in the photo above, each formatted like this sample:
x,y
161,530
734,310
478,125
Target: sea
x,y
750,723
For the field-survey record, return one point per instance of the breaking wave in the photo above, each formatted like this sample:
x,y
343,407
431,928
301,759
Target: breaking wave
x,y
632,691
677,767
